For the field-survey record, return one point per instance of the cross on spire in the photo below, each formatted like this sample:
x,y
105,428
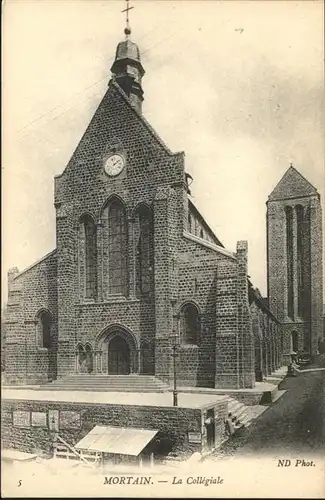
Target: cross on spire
x,y
127,29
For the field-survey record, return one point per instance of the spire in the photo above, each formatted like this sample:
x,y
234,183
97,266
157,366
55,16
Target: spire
x,y
127,69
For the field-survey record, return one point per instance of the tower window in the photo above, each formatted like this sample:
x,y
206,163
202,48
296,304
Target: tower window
x,y
117,249
189,324
289,245
300,258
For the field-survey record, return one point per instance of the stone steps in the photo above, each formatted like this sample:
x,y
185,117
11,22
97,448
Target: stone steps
x,y
234,409
108,383
241,415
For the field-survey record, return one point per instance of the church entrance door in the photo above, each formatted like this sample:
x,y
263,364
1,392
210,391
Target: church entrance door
x,y
119,360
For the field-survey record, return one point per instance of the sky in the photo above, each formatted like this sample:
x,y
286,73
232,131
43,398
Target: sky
x,y
236,85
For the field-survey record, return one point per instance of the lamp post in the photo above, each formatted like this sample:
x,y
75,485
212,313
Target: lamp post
x,y
175,340
174,337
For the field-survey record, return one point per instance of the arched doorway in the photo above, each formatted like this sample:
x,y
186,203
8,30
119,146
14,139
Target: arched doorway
x,y
119,359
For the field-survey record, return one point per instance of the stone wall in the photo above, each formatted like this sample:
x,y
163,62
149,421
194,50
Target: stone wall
x,y
173,423
316,271
234,335
29,293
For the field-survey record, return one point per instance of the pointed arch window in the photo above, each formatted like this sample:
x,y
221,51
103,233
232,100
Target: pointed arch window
x,y
117,249
190,324
300,257
289,245
144,251
90,256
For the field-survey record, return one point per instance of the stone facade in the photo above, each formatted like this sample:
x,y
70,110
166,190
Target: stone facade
x,y
173,280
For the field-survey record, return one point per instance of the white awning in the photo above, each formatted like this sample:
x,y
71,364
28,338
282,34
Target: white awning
x,y
116,440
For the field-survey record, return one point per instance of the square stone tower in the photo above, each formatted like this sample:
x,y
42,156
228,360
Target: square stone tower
x,y
294,260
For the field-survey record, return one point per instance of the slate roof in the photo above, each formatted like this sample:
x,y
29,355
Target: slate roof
x,y
292,185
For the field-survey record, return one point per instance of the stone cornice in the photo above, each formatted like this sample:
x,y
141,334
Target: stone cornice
x,y
208,244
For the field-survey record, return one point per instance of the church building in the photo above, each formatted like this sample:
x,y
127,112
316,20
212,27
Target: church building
x,y
138,276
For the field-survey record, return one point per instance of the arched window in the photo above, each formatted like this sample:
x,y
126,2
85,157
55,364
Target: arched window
x,y
189,324
44,323
289,244
117,249
201,233
90,256
144,252
300,257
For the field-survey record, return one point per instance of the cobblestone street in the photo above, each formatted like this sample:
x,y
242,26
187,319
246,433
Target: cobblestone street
x,y
294,423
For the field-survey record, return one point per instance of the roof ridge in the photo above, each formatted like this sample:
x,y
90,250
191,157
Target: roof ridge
x,y
143,119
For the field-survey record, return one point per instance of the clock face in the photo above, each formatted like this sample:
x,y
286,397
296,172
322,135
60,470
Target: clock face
x,y
114,164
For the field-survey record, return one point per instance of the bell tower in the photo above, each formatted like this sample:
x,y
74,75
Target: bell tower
x,y
127,69
294,246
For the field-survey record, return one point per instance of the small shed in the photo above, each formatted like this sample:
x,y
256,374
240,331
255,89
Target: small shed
x,y
119,444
